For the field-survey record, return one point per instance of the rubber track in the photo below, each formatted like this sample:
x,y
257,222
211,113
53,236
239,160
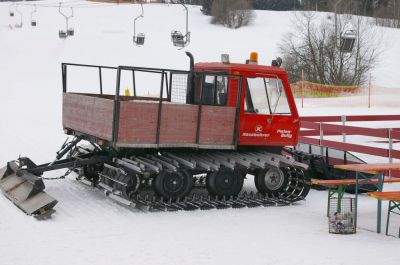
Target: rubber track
x,y
201,202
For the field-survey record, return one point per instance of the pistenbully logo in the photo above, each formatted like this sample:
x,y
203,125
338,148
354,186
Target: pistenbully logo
x,y
258,129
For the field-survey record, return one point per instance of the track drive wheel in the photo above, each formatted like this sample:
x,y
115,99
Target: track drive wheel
x,y
225,182
271,181
173,185
91,172
127,184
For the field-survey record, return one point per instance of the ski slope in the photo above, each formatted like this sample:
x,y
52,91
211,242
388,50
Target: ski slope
x,y
90,229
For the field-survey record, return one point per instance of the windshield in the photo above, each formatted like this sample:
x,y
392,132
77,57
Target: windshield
x,y
266,96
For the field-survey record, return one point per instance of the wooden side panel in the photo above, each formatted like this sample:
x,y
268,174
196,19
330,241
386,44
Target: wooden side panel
x,y
138,122
178,124
87,114
217,125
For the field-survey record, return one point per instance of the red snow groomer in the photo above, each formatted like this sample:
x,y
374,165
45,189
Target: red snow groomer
x,y
188,147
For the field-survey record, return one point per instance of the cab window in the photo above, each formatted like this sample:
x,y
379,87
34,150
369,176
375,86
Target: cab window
x,y
265,96
215,90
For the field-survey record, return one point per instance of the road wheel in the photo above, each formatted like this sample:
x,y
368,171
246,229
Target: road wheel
x,y
270,181
225,182
173,185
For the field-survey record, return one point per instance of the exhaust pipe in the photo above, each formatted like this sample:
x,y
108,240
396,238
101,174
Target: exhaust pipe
x,y
190,88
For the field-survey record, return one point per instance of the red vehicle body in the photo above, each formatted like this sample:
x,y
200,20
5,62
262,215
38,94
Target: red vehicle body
x,y
256,129
242,105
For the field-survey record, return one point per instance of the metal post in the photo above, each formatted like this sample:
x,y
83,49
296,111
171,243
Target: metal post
x,y
199,113
379,210
101,82
344,124
134,83
356,202
116,108
369,91
390,144
237,114
321,138
388,216
390,140
160,109
302,88
64,77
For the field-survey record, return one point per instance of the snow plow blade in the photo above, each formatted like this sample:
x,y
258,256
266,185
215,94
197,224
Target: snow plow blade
x,y
25,190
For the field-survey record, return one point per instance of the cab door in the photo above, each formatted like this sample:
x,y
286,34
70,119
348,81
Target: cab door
x,y
266,116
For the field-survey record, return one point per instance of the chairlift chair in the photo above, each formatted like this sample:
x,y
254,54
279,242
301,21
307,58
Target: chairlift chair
x,y
18,25
140,37
11,12
70,32
33,21
348,40
63,34
177,38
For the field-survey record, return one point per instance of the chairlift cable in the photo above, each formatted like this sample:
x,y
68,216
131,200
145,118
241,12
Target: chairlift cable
x,y
82,5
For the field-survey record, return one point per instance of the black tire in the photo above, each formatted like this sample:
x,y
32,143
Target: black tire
x,y
173,185
271,181
225,182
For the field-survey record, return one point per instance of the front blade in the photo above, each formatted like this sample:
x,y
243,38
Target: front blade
x,y
25,190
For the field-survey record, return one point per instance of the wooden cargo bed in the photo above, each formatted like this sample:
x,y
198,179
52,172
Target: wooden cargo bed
x,y
139,121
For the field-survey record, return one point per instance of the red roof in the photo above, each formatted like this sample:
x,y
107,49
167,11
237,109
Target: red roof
x,y
240,67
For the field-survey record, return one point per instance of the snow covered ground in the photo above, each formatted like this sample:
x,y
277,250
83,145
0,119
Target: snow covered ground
x,y
90,229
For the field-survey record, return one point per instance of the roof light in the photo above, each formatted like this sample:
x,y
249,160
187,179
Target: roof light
x,y
225,58
253,58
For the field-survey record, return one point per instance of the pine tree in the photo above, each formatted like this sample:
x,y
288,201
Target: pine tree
x,y
279,5
206,7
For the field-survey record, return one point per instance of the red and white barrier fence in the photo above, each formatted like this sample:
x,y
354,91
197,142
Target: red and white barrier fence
x,y
315,130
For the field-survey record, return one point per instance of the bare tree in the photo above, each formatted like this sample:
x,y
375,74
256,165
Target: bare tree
x,y
314,47
232,13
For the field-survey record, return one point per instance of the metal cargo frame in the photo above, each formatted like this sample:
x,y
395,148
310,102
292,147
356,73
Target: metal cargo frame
x,y
165,86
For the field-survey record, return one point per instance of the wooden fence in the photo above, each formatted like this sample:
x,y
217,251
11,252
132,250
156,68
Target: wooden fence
x,y
315,129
